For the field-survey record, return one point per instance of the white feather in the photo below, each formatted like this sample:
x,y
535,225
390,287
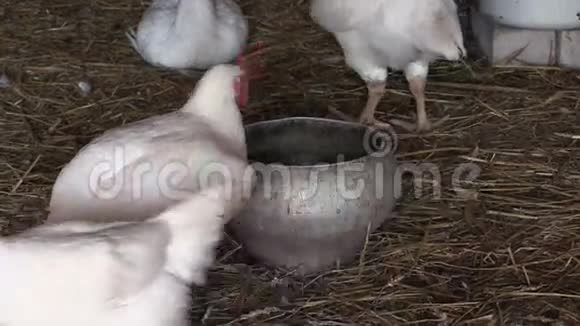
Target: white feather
x,y
137,162
115,274
198,34
376,34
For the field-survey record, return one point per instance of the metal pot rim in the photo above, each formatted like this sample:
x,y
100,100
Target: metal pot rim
x,y
389,156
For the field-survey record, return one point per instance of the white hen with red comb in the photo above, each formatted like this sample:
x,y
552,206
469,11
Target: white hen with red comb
x,y
198,34
114,274
399,34
139,169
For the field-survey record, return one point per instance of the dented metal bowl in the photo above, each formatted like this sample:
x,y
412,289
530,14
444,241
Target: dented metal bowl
x,y
322,185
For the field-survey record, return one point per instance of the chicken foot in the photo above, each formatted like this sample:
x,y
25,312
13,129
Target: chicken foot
x,y
376,91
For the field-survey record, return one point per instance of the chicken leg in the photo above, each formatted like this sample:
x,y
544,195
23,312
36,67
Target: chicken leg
x,y
376,91
416,74
417,87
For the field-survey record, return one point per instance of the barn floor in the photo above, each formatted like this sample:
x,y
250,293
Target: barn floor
x,y
506,255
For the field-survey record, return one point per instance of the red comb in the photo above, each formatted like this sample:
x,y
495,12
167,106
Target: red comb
x,y
252,67
251,62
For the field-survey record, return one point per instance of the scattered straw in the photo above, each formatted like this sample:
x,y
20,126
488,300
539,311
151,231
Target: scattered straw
x,y
509,254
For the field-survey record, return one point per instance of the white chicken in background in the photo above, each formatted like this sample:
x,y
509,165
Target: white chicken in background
x,y
190,34
139,169
399,34
114,274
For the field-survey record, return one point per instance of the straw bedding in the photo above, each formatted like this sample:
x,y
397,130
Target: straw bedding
x,y
505,254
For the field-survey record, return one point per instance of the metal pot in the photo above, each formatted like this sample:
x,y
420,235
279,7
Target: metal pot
x,y
534,14
308,210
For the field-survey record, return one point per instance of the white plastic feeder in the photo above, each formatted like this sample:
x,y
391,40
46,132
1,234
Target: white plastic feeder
x,y
534,14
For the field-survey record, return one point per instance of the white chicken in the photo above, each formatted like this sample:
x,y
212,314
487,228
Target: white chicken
x,y
114,274
196,34
139,169
399,34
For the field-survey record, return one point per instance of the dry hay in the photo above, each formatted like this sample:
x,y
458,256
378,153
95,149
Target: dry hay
x,y
507,255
